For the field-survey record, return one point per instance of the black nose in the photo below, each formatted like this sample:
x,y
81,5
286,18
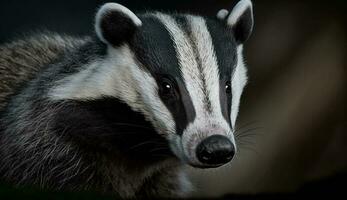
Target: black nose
x,y
215,150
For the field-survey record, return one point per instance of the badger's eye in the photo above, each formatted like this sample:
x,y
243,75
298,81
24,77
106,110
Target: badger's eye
x,y
166,88
228,87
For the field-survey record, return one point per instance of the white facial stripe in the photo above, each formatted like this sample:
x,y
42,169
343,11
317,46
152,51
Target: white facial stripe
x,y
238,82
208,61
118,75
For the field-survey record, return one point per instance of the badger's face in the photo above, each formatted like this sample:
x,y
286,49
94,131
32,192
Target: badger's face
x,y
185,73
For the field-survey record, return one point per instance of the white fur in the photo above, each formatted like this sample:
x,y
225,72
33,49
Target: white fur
x,y
113,7
238,11
238,82
222,14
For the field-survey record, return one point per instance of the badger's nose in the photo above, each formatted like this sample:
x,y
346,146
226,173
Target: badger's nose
x,y
215,150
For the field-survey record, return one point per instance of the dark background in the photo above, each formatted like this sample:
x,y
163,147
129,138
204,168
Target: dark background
x,y
293,112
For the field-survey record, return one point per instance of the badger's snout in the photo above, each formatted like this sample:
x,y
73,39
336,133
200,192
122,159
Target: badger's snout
x,y
215,150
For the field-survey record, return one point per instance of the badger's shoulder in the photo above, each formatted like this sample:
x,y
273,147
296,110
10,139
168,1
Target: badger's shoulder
x,y
22,58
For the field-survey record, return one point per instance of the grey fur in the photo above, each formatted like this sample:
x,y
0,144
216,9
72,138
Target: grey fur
x,y
21,59
32,153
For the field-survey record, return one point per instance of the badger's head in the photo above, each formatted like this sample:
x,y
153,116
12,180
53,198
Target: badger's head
x,y
183,73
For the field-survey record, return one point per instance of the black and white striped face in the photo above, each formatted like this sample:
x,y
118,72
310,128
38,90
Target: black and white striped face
x,y
185,73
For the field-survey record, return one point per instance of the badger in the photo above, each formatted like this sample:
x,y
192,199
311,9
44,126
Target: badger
x,y
127,109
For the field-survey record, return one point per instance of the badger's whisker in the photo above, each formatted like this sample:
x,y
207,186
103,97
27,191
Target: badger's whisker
x,y
246,127
247,124
248,130
248,135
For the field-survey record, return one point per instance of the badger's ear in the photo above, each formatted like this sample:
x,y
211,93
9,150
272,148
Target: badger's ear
x,y
240,19
115,24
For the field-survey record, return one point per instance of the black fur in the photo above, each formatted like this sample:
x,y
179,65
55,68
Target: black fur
x,y
99,125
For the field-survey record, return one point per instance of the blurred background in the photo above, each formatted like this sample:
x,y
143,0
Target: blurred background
x,y
292,126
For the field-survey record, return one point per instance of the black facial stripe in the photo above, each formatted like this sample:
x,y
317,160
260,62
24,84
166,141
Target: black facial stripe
x,y
155,50
226,53
184,25
225,101
183,109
